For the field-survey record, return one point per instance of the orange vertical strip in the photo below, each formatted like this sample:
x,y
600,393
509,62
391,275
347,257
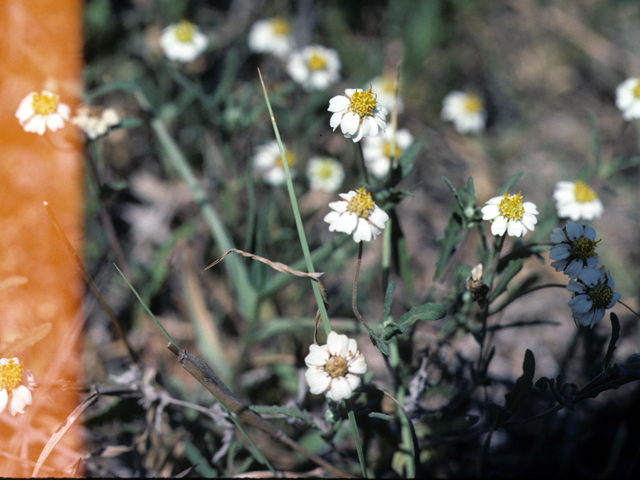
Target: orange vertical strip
x,y
40,286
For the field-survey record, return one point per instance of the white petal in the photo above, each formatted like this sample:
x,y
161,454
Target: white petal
x,y
340,389
357,365
317,357
4,398
499,226
318,380
362,232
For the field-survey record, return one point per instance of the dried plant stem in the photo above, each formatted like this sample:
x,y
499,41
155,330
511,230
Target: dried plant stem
x,y
203,373
354,301
628,308
89,281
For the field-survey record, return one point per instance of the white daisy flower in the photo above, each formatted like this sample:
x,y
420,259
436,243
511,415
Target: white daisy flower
x,y
465,110
357,213
95,121
314,67
335,368
377,150
577,200
628,98
183,41
325,173
267,163
509,214
272,36
593,293
39,111
16,385
385,88
575,249
357,113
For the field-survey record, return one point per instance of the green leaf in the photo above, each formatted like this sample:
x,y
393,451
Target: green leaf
x,y
388,297
428,311
516,398
448,243
290,412
510,183
381,416
615,335
379,343
513,268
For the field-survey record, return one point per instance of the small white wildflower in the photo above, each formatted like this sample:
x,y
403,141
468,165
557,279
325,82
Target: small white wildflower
x,y
593,293
267,163
628,98
377,150
314,67
335,368
385,88
95,121
576,200
183,41
508,214
16,385
357,213
39,111
325,173
357,113
272,36
575,249
465,110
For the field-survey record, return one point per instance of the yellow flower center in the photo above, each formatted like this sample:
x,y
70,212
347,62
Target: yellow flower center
x,y
10,375
44,104
280,27
325,171
472,104
184,31
336,366
289,156
584,193
363,103
601,295
316,63
388,85
361,204
636,90
511,206
386,148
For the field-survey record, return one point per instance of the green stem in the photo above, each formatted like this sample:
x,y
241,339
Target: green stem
x,y
296,215
356,437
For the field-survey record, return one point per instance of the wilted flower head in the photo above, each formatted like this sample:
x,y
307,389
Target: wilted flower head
x,y
358,114
183,41
357,213
377,150
577,200
39,111
465,110
385,88
475,285
628,98
335,368
267,163
325,173
314,67
508,214
575,249
16,385
594,291
95,121
272,36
